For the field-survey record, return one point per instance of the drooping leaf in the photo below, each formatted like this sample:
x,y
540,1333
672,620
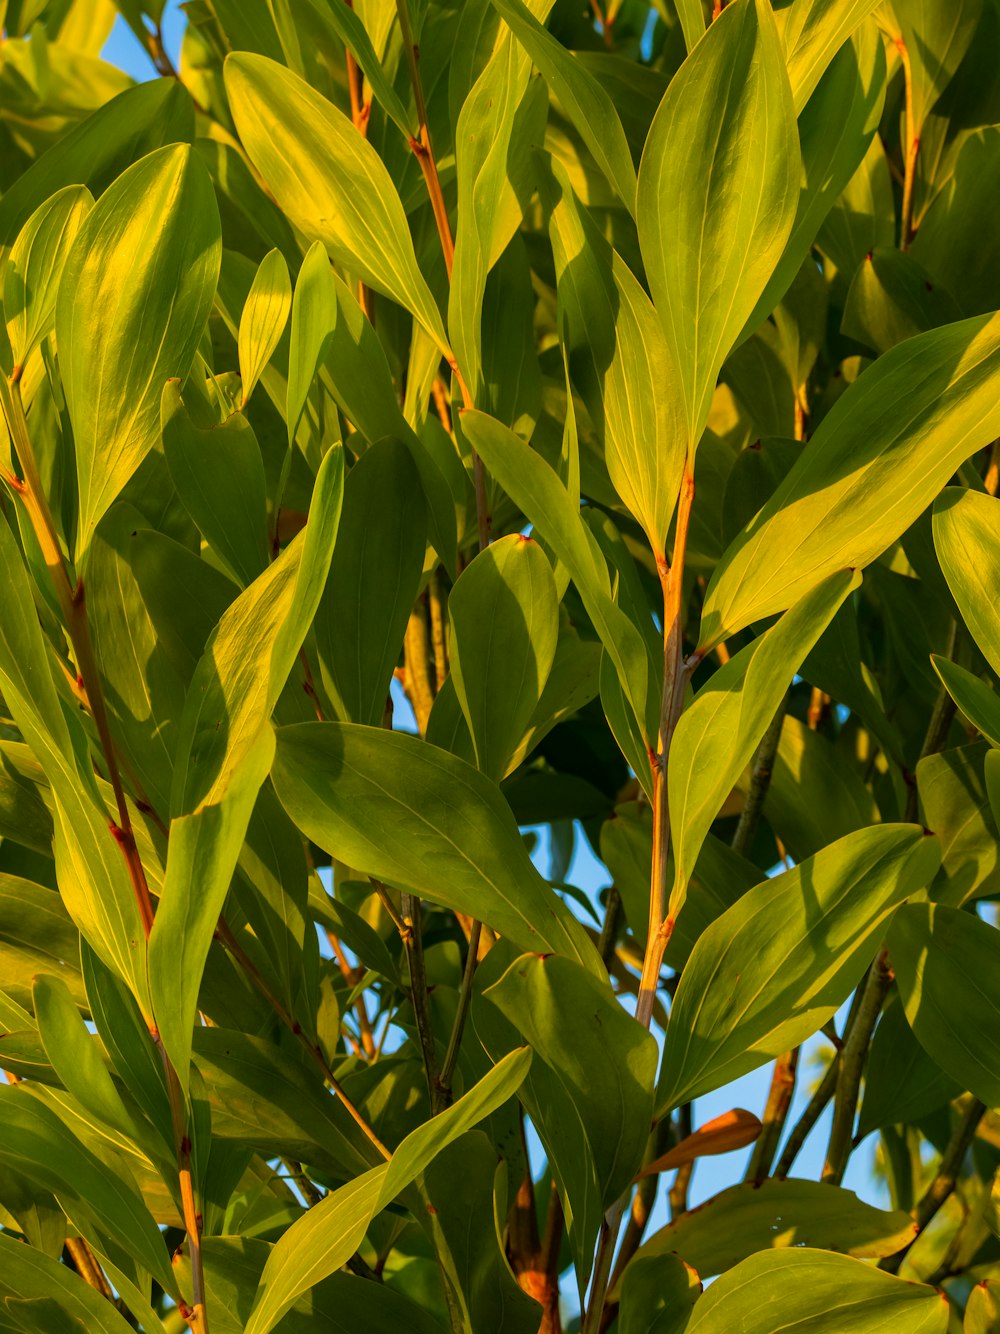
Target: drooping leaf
x,y
941,957
329,181
902,1083
831,1294
264,318
136,291
422,820
34,267
757,1216
778,964
955,805
718,734
504,631
732,1130
892,298
978,701
718,186
935,35
840,504
658,1294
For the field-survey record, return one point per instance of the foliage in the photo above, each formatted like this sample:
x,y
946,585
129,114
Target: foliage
x,y
438,438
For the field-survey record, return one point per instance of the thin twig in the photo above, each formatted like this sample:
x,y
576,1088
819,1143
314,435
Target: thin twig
x,y
413,943
461,1014
760,780
779,1100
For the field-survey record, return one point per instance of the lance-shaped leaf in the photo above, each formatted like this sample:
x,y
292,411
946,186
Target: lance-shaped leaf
x,y
31,278
353,33
30,1276
425,821
967,542
219,475
594,1130
584,101
500,124
504,613
537,490
93,879
979,702
374,578
916,414
330,330
328,180
105,1206
329,1234
74,1055
100,148
836,128
756,1216
818,1291
892,298
982,1310
813,33
264,318
657,1293
136,292
778,964
718,734
621,362
945,965
718,187
224,751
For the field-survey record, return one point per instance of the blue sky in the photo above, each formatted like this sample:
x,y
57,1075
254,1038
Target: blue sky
x,y
711,1174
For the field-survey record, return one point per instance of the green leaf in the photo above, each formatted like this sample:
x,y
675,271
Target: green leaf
x,y
424,821
36,936
219,475
329,1234
978,701
954,240
836,128
902,1083
264,318
841,504
594,1130
313,302
955,805
775,1214
718,186
893,298
537,491
34,267
779,963
28,1276
982,1310
100,147
718,734
582,99
105,1206
936,35
829,1294
500,124
504,613
967,542
93,879
225,748
620,360
941,957
74,1056
373,581
341,1304
136,292
329,181
262,1097
658,1294
813,33
692,18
